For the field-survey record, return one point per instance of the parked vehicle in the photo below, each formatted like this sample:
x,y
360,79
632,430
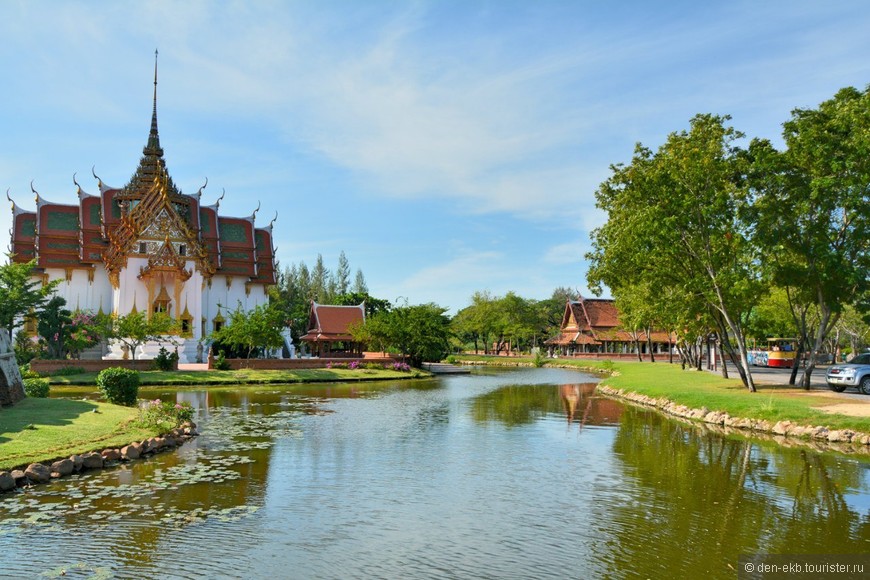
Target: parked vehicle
x,y
855,373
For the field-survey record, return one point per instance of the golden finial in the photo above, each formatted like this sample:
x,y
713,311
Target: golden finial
x,y
254,215
271,223
218,202
76,183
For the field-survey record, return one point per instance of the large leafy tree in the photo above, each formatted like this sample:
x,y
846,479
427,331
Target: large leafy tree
x,y
811,210
673,226
20,294
420,332
477,321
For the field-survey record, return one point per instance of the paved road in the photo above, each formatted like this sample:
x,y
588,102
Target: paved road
x,y
781,376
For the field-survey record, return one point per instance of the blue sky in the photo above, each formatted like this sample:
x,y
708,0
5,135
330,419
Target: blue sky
x,y
446,147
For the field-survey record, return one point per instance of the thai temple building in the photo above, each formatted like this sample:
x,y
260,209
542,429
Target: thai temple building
x,y
147,247
592,325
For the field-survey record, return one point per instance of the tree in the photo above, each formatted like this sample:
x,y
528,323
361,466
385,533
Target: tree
x,y
516,320
319,280
20,295
342,275
673,225
250,330
54,324
421,332
135,329
855,329
359,283
811,210
637,311
554,307
480,318
373,305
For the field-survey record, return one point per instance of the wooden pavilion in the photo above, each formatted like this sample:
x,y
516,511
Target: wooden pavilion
x,y
329,330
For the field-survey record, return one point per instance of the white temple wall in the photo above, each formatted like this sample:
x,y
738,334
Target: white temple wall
x,y
130,289
79,292
229,296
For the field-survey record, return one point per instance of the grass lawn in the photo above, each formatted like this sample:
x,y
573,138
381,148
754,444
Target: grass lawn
x,y
248,377
698,389
42,429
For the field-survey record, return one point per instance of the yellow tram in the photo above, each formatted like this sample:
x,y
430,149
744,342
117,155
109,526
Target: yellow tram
x,y
779,353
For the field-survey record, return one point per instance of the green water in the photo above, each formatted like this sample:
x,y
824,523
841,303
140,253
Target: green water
x,y
501,474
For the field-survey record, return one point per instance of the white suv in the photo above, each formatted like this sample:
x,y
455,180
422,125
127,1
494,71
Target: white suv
x,y
855,373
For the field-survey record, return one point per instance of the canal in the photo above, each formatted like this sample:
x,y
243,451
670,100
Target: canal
x,y
498,474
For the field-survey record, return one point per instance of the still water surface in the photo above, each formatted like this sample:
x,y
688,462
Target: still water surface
x,y
502,474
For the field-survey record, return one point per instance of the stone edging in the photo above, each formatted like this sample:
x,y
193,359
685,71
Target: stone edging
x,y
44,472
722,419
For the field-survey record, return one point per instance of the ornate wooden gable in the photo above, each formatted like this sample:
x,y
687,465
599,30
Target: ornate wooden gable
x,y
150,225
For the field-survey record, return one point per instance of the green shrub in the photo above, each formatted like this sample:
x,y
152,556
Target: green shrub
x,y
27,373
451,359
67,371
165,361
540,359
119,386
220,363
37,388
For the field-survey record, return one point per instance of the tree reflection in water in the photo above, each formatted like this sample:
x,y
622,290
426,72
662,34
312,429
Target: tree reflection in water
x,y
709,498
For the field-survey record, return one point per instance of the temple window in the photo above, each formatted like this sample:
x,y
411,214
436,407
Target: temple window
x,y
182,250
186,323
162,303
143,248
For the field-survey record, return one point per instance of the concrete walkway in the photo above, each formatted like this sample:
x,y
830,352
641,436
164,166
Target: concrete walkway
x,y
193,366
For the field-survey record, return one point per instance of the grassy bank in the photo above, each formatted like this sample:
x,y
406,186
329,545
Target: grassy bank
x,y
42,429
699,389
248,377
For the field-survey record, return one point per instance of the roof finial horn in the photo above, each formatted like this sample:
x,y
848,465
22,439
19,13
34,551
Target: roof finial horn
x,y
99,181
199,193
